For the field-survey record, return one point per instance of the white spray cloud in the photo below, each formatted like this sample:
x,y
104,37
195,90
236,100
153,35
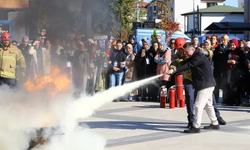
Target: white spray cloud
x,y
22,113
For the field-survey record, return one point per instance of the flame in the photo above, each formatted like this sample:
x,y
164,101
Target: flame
x,y
54,83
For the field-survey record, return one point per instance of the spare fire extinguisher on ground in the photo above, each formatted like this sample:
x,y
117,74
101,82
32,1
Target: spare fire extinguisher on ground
x,y
163,97
180,96
171,97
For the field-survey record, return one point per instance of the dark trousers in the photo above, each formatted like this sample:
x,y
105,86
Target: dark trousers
x,y
221,83
190,95
8,81
190,99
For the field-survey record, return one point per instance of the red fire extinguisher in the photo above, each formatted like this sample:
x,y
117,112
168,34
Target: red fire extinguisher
x,y
163,97
171,96
180,90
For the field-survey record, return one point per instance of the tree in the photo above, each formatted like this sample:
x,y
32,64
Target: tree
x,y
167,23
153,36
124,14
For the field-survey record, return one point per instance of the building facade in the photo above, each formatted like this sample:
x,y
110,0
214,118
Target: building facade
x,y
205,17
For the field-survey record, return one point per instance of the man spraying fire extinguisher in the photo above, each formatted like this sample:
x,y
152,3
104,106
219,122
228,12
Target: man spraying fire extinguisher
x,y
10,57
194,122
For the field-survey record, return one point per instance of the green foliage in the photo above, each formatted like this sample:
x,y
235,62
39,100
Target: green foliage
x,y
153,36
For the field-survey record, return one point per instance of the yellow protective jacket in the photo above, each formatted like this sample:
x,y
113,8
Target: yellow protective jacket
x,y
10,57
177,63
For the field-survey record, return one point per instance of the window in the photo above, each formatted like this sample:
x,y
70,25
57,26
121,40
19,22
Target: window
x,y
155,9
210,4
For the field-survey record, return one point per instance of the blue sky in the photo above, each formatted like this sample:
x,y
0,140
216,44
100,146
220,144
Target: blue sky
x,y
233,3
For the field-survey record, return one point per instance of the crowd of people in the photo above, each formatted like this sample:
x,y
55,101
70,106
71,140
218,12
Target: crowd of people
x,y
95,66
98,65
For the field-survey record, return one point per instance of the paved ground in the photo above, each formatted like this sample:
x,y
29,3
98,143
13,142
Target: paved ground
x,y
145,126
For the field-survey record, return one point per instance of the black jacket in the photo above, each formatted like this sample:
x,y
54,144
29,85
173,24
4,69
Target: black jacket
x,y
143,69
118,58
201,71
220,60
27,56
239,70
152,62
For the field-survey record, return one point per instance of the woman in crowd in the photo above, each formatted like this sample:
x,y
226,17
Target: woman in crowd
x,y
163,59
242,44
102,64
73,57
214,42
84,68
153,88
130,60
89,43
101,45
235,78
133,43
47,58
143,68
40,61
220,67
172,47
57,55
93,58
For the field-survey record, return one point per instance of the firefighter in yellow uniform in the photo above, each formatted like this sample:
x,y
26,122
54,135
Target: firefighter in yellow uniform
x,y
10,57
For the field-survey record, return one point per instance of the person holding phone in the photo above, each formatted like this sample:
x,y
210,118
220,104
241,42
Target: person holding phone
x,y
143,68
116,70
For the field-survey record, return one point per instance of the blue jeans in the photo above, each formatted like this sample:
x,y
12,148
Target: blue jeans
x,y
8,81
217,112
115,79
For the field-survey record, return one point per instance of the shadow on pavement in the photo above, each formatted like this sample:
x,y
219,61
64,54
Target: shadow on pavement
x,y
129,125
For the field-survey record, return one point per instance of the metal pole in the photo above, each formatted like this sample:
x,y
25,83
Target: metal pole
x,y
193,19
138,11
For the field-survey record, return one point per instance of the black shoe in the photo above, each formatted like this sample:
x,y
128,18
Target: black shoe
x,y
189,125
193,130
221,121
212,127
115,100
